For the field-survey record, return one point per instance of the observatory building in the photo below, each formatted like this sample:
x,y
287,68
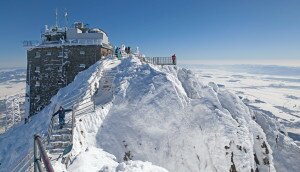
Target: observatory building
x,y
61,54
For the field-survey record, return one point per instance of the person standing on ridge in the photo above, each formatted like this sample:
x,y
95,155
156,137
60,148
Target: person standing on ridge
x,y
116,51
174,59
61,115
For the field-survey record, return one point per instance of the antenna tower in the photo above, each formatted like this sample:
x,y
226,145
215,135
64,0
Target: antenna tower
x,y
56,18
66,19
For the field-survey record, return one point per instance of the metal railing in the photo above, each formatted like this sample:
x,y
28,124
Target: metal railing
x,y
33,44
160,60
40,154
25,163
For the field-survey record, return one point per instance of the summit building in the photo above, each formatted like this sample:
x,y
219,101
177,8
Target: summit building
x,y
61,54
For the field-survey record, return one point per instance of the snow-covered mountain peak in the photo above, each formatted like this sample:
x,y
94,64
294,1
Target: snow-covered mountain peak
x,y
163,115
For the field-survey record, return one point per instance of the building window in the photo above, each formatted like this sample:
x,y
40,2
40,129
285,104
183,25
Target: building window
x,y
82,52
48,53
37,54
60,54
37,83
82,65
66,55
37,97
37,69
59,69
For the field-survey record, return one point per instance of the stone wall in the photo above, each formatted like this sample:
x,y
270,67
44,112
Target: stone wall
x,y
51,68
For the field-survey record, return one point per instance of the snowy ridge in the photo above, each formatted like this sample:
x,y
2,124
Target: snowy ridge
x,y
285,151
163,116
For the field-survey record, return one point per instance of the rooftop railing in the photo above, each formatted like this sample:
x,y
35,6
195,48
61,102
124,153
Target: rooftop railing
x,y
34,44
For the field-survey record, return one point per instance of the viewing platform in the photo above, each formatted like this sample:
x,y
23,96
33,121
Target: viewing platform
x,y
160,60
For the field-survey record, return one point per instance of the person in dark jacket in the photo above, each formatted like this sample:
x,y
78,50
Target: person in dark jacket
x,y
61,115
174,59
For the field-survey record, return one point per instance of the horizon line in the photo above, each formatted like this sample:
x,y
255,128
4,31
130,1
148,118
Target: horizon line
x,y
287,63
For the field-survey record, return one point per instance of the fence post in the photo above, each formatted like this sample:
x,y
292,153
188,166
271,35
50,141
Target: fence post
x,y
35,154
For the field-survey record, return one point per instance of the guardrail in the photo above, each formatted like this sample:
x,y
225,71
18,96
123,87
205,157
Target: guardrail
x,y
25,163
33,44
160,60
40,153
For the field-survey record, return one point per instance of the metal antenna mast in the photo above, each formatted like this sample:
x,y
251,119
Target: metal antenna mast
x,y
66,19
56,18
13,114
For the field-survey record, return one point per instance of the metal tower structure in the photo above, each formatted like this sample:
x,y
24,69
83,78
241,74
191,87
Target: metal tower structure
x,y
13,113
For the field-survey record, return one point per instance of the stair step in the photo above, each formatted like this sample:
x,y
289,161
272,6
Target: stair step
x,y
49,147
59,144
56,151
62,131
57,127
61,136
65,139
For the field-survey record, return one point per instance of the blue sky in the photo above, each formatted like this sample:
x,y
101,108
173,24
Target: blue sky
x,y
197,31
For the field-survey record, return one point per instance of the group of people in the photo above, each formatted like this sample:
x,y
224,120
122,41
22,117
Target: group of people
x,y
118,51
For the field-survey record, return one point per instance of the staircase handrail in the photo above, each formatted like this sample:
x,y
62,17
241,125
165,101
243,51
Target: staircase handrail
x,y
38,147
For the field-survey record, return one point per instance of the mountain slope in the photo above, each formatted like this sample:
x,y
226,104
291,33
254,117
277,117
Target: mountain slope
x,y
162,115
165,116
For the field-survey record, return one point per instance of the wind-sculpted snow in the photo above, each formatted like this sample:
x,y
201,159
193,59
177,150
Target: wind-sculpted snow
x,y
285,151
166,116
162,116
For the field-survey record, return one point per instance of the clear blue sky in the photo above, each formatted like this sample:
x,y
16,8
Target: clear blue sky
x,y
237,30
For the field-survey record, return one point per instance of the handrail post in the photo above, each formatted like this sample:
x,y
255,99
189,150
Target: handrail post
x,y
35,153
73,121
37,158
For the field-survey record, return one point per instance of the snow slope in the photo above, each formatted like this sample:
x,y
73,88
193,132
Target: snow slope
x,y
277,94
165,116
